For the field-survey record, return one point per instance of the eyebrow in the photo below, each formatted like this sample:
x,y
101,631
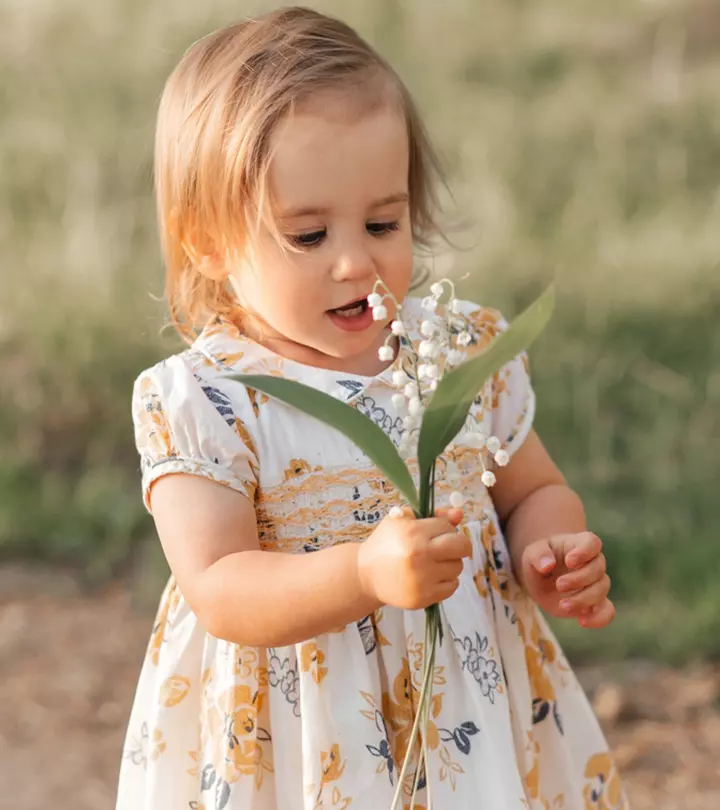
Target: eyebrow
x,y
295,213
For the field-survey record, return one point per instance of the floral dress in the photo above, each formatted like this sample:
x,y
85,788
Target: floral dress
x,y
326,723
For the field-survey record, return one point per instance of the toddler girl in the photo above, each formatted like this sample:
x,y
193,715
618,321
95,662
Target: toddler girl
x,y
293,174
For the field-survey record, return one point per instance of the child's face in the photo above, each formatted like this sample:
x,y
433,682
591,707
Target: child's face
x,y
340,189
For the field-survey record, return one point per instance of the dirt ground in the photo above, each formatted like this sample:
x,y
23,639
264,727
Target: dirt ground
x,y
69,663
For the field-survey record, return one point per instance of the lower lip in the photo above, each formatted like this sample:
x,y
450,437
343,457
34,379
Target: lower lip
x,y
357,323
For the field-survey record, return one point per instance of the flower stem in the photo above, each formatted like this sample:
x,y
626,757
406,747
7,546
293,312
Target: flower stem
x,y
422,717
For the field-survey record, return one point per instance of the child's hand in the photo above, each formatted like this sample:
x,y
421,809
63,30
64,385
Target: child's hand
x,y
411,564
566,577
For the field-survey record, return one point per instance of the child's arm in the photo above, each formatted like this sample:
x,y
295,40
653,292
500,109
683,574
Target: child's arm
x,y
261,598
558,562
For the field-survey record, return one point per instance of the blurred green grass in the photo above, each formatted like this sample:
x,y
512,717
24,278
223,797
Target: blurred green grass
x,y
583,143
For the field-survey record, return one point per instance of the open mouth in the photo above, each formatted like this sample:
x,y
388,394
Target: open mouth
x,y
351,310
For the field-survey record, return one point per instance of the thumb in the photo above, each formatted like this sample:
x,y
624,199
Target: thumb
x,y
453,514
541,556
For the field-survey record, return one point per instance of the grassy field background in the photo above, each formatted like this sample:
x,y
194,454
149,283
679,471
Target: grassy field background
x,y
582,140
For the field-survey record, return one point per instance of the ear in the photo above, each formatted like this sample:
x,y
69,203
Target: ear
x,y
205,257
213,266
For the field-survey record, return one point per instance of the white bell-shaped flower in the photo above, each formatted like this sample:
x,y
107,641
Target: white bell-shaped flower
x,y
379,313
428,328
399,402
386,353
428,350
493,444
502,459
464,339
429,304
374,300
456,499
415,406
488,479
411,390
455,357
396,512
399,378
398,328
432,372
436,289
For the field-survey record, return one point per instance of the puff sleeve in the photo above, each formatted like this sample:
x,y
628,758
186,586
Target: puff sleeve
x,y
183,424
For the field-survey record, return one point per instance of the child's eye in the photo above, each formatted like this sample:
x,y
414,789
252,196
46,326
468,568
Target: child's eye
x,y
310,239
381,228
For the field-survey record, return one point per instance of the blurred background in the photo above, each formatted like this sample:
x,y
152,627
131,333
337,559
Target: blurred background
x,y
582,141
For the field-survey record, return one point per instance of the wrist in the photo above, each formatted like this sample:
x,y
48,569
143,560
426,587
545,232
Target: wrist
x,y
365,584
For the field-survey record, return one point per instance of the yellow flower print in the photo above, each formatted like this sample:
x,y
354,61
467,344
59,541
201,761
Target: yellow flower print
x,y
449,768
492,578
173,691
532,779
230,730
299,467
603,791
333,768
484,323
312,660
158,744
247,440
415,661
332,765
168,605
399,712
539,651
153,423
339,801
247,665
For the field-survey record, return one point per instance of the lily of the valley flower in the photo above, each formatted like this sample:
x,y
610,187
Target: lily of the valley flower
x,y
446,336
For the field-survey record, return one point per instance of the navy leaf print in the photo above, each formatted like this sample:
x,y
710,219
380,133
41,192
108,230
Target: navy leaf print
x,y
208,777
222,796
541,709
461,736
353,386
222,403
367,634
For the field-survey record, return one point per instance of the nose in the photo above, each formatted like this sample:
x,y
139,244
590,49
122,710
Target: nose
x,y
353,262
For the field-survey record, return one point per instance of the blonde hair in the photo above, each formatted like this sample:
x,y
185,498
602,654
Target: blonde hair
x,y
216,116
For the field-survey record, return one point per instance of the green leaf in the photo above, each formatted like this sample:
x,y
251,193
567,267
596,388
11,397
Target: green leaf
x,y
364,432
449,406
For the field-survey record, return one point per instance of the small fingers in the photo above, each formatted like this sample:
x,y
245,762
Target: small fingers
x,y
445,590
454,515
450,546
589,597
587,546
601,616
541,557
448,571
587,575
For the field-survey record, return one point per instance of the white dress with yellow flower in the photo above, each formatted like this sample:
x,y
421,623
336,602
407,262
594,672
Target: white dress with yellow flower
x,y
326,723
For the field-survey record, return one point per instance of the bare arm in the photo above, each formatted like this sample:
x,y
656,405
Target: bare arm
x,y
239,592
261,598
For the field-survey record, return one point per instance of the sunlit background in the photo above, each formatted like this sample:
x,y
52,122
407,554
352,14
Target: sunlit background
x,y
582,141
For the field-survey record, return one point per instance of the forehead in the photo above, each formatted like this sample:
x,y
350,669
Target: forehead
x,y
327,155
